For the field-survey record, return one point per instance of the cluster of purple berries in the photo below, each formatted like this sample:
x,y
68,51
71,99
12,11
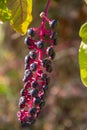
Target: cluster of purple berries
x,y
38,65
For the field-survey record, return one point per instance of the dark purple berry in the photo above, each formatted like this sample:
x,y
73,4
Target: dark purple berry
x,y
50,51
24,124
40,44
23,92
46,62
30,119
32,55
31,32
52,56
27,74
33,67
34,92
37,101
27,41
22,102
43,76
53,23
34,84
55,42
32,111
42,103
47,81
49,68
27,58
45,87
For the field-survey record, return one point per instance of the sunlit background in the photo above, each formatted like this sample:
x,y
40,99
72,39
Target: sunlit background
x,y
66,101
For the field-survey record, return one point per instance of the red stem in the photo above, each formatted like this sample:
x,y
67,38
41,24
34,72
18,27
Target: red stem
x,y
47,7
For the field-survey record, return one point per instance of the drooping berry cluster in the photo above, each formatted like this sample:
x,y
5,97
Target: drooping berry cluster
x,y
38,65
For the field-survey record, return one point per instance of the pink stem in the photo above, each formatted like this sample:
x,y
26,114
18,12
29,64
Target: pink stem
x,y
47,7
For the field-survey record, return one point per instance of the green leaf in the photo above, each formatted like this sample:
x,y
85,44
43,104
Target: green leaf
x,y
83,62
20,14
4,12
83,32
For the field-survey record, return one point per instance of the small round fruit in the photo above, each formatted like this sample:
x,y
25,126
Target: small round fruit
x,y
49,68
23,92
22,102
24,124
40,44
27,41
33,67
34,93
55,42
45,87
32,55
32,111
34,84
27,58
50,51
46,62
53,23
47,81
53,56
37,101
27,74
43,76
31,32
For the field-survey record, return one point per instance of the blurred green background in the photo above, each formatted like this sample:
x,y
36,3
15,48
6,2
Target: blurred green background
x,y
66,101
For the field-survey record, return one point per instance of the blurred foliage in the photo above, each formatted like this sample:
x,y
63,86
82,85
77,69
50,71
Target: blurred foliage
x,y
17,13
66,100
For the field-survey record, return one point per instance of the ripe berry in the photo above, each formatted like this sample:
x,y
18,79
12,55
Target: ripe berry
x,y
31,32
33,67
49,68
53,23
27,58
55,42
23,92
42,103
37,101
46,62
52,56
45,87
24,124
47,81
30,119
32,111
34,92
28,73
22,102
50,51
40,44
32,55
43,76
27,41
34,84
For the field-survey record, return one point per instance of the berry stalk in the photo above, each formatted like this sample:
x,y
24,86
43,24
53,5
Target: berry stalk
x,y
38,65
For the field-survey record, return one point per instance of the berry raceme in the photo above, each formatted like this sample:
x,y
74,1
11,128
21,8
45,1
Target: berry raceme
x,y
38,65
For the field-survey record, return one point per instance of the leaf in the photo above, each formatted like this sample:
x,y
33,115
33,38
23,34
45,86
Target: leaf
x,y
83,32
4,12
20,14
83,62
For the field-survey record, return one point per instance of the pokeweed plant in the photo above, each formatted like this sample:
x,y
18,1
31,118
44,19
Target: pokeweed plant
x,y
83,53
38,63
